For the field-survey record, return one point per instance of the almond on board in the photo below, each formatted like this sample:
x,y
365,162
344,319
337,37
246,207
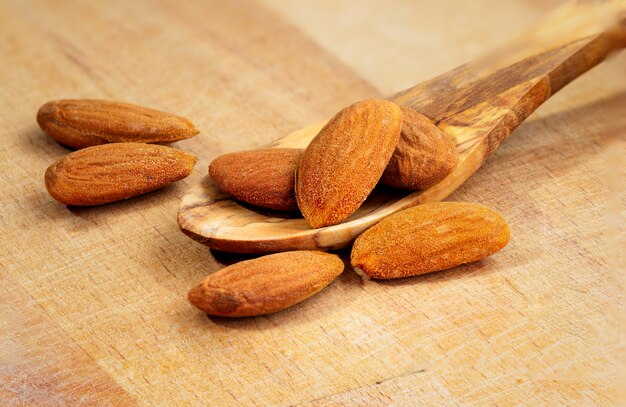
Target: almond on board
x,y
343,163
111,172
80,123
263,178
429,237
424,156
266,284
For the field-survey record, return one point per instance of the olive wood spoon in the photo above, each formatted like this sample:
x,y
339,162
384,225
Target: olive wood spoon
x,y
479,104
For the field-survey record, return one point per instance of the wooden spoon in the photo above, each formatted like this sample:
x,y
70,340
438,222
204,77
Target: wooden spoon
x,y
479,104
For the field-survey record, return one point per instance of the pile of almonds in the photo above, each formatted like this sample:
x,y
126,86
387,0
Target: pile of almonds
x,y
369,142
113,161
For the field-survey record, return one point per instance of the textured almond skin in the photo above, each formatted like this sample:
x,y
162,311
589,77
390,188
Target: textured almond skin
x,y
343,163
80,123
266,284
424,156
429,237
263,178
111,172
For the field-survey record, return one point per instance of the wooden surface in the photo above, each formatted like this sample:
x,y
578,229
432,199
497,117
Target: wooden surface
x,y
93,304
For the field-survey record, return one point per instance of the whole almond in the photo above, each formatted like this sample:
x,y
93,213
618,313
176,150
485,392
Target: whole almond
x,y
429,237
80,123
424,156
263,178
266,284
111,172
343,163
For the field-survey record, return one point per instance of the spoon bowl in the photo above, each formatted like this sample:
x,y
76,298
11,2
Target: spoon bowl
x,y
479,104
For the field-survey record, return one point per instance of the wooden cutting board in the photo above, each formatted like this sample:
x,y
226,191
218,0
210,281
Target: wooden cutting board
x,y
94,309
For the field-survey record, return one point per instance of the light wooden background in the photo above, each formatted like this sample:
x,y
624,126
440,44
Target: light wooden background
x,y
93,301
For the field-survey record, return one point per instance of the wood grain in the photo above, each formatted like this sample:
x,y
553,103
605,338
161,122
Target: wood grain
x,y
49,368
95,298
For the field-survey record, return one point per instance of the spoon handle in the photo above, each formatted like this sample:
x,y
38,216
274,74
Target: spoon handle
x,y
564,45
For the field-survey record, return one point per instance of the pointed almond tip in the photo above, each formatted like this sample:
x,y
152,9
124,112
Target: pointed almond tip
x,y
318,223
189,162
191,132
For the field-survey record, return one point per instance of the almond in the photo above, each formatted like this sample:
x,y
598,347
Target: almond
x,y
424,156
263,178
266,284
80,123
111,172
429,237
343,163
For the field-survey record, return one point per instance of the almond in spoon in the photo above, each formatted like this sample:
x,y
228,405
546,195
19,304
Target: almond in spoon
x,y
424,156
263,178
343,163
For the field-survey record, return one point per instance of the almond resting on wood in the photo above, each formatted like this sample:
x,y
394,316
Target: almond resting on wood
x,y
424,156
112,172
429,237
343,163
80,123
263,178
266,284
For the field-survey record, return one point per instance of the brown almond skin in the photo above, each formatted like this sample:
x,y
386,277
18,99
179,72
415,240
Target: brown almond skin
x,y
429,237
424,156
343,163
266,284
263,178
80,123
112,172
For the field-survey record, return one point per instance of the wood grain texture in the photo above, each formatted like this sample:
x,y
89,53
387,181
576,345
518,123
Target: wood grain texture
x,y
479,104
41,364
96,298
